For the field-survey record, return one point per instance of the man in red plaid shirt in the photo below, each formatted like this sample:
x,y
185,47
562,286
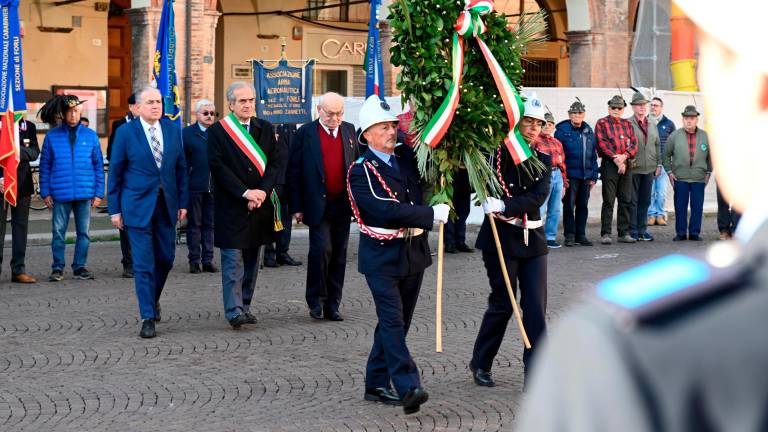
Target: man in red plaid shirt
x,y
550,211
616,145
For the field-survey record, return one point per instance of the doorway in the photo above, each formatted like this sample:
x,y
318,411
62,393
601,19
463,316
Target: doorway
x,y
119,60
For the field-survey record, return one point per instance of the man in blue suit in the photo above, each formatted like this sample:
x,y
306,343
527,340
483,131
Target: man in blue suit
x,y
147,195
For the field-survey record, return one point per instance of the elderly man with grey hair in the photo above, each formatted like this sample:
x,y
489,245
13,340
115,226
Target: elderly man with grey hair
x,y
200,215
245,163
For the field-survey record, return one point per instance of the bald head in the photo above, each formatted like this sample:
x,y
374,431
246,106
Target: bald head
x,y
330,110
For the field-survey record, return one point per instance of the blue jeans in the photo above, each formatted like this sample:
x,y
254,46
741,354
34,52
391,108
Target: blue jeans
x,y
239,269
686,192
658,195
550,211
82,212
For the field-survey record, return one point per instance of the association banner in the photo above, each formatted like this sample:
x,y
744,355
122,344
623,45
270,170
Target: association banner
x,y
283,93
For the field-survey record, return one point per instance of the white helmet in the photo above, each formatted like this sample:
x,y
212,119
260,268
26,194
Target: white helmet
x,y
533,108
374,111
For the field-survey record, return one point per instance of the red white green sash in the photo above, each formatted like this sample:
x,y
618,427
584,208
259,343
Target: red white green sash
x,y
245,142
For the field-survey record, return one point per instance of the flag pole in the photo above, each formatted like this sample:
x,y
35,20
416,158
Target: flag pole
x,y
439,295
515,307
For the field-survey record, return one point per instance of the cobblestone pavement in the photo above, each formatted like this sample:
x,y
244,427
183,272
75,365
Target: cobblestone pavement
x,y
71,359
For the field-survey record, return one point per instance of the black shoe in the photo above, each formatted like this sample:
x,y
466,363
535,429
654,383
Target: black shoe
x,y
332,315
210,268
413,399
679,238
56,276
238,321
285,259
462,247
451,249
195,268
147,329
584,242
316,312
128,272
569,242
384,395
482,377
250,318
83,274
694,237
270,261
158,309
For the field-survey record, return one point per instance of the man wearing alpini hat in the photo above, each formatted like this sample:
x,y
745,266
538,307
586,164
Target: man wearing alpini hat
x,y
386,200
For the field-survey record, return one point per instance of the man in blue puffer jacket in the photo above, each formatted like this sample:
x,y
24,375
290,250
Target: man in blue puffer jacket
x,y
71,180
581,163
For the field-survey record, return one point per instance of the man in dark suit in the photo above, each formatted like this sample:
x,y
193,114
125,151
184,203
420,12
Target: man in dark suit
x,y
147,195
200,216
245,163
125,246
29,150
320,154
386,198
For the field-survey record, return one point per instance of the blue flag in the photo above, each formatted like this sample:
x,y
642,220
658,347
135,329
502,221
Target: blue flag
x,y
374,71
164,70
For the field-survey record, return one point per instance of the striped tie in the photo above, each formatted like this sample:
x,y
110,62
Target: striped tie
x,y
157,152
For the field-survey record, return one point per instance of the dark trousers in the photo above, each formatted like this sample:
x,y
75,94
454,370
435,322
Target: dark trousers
x,y
727,217
125,248
19,229
530,275
455,232
576,209
283,237
390,360
642,186
200,228
327,260
615,186
154,248
686,193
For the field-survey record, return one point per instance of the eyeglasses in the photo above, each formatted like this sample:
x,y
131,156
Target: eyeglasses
x,y
617,108
209,113
655,106
332,113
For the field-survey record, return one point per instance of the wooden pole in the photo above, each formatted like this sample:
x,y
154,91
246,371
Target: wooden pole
x,y
439,296
515,307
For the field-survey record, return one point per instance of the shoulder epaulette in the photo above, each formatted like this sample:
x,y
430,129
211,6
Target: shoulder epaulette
x,y
360,160
666,285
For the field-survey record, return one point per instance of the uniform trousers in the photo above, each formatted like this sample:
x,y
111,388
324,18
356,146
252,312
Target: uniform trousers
x,y
390,361
455,231
530,275
154,248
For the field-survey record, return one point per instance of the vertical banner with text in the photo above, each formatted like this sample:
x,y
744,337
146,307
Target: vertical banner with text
x,y
12,100
283,93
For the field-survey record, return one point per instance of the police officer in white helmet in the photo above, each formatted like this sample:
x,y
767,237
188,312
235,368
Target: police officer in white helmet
x,y
386,200
524,246
679,344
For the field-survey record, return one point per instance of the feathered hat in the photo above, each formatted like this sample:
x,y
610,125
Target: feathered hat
x,y
56,108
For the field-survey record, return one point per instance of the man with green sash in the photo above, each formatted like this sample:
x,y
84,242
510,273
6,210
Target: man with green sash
x,y
245,162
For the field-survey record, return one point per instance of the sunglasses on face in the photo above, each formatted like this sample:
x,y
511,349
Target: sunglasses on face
x,y
209,113
616,108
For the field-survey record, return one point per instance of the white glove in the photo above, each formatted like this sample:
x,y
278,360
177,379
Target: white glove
x,y
441,213
493,205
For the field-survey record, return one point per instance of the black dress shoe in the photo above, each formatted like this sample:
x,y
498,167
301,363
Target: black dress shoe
x,y
384,395
210,268
316,312
482,377
128,272
584,242
250,318
332,315
462,247
694,237
270,261
413,399
285,259
147,329
451,249
238,321
679,238
195,268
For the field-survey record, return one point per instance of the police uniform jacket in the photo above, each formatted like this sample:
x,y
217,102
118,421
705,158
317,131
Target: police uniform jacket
x,y
236,227
527,197
401,256
29,150
677,344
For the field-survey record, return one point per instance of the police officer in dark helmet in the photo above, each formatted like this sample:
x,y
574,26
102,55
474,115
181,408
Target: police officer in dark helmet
x,y
679,344
386,200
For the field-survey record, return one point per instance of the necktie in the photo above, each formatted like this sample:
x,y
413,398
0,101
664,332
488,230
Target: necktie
x,y
157,152
245,126
332,132
393,163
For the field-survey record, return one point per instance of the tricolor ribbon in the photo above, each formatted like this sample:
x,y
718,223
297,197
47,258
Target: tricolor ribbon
x,y
470,23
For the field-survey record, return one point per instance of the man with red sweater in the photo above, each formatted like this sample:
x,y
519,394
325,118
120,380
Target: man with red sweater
x,y
321,151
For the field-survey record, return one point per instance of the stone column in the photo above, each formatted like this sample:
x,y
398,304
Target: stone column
x,y
144,24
